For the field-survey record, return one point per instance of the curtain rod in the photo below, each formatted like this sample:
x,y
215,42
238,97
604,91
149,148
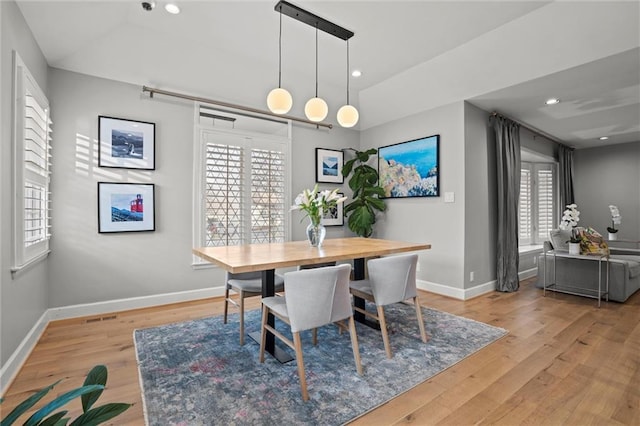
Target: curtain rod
x,y
526,126
152,90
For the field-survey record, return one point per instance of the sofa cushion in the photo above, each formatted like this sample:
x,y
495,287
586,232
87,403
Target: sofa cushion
x,y
632,261
560,239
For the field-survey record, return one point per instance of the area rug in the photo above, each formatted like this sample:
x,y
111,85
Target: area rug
x,y
196,372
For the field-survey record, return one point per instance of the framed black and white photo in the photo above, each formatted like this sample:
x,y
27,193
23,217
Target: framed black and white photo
x,y
329,164
335,215
127,144
126,207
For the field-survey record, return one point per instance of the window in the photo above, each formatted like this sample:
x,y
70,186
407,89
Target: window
x,y
537,206
32,168
242,186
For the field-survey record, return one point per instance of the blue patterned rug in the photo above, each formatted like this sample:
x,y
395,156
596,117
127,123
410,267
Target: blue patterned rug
x,y
196,373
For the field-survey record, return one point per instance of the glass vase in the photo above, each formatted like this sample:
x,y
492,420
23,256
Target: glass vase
x,y
316,234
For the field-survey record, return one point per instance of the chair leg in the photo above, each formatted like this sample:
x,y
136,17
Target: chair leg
x,y
423,333
263,332
383,328
354,344
226,302
314,334
303,381
241,318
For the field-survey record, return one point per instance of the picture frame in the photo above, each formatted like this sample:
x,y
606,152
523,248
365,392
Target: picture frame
x,y
126,144
126,207
411,168
335,216
329,164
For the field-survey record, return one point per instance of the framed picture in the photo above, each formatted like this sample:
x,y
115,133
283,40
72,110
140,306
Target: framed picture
x,y
329,164
410,169
126,207
127,144
335,216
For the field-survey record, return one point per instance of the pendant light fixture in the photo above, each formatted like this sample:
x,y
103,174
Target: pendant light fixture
x,y
316,109
347,114
279,100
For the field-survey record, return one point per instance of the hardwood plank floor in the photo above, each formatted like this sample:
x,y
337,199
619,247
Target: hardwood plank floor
x,y
564,361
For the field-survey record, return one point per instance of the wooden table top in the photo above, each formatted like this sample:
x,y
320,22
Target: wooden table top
x,y
260,257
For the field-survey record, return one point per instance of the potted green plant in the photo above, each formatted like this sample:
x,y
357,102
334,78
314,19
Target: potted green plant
x,y
616,219
89,393
363,181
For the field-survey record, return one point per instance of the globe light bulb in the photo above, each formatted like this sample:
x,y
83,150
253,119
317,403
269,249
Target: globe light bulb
x,y
279,101
316,109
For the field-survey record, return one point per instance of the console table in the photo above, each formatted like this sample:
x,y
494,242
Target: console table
x,y
578,291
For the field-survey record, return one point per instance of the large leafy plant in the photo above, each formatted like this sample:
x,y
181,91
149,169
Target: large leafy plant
x,y
363,181
89,393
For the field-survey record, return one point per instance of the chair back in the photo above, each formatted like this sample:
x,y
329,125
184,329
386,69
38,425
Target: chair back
x,y
393,278
317,296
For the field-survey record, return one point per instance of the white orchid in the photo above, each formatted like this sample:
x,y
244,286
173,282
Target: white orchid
x,y
570,217
316,203
616,219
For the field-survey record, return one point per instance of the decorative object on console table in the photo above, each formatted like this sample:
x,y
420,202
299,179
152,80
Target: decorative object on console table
x,y
616,219
316,204
570,219
127,144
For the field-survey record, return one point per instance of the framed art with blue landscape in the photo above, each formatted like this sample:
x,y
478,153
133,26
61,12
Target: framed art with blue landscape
x,y
126,207
329,164
410,169
128,144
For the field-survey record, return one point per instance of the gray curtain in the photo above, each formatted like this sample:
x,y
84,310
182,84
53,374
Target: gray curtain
x,y
565,178
508,179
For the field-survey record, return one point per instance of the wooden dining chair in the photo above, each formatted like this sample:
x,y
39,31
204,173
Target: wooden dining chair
x,y
391,280
313,298
245,284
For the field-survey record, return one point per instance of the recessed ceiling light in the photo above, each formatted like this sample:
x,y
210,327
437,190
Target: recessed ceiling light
x,y
552,101
356,73
172,8
604,138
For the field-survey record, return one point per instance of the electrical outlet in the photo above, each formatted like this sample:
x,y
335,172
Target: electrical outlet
x,y
472,276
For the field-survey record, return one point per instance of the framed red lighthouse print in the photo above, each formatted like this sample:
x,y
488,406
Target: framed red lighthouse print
x,y
126,207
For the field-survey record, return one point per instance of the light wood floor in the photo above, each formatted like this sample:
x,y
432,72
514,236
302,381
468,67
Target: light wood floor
x,y
564,362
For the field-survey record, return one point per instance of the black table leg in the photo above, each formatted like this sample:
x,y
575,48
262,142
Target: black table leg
x,y
358,274
268,290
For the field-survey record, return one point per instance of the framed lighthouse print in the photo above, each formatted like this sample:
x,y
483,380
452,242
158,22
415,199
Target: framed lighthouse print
x,y
126,207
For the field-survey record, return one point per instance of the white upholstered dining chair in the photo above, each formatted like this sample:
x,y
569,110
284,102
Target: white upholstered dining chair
x,y
313,298
246,284
391,280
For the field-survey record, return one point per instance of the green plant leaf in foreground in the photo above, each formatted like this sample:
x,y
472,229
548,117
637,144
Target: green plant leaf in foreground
x,y
37,417
25,405
55,419
101,414
97,376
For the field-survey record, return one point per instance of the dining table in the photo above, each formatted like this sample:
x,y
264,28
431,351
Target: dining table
x,y
267,257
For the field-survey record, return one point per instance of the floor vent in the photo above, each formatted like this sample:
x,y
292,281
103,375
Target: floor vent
x,y
98,319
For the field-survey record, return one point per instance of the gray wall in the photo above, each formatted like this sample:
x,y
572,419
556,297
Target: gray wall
x,y
90,267
480,212
430,219
609,175
23,297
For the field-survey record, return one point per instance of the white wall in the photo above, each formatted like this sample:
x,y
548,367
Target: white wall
x,y
90,267
430,219
23,297
609,175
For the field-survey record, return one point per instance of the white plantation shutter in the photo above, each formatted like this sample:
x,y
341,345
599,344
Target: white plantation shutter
x,y
524,207
538,200
241,188
32,162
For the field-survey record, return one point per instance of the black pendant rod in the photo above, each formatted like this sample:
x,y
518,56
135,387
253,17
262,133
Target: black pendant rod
x,y
313,20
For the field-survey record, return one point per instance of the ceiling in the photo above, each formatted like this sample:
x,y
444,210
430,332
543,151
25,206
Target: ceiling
x,y
505,56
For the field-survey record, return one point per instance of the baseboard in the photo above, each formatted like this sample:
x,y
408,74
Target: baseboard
x,y
82,310
456,293
523,275
11,368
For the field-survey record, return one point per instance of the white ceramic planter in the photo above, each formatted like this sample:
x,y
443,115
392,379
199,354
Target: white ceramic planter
x,y
574,248
613,236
